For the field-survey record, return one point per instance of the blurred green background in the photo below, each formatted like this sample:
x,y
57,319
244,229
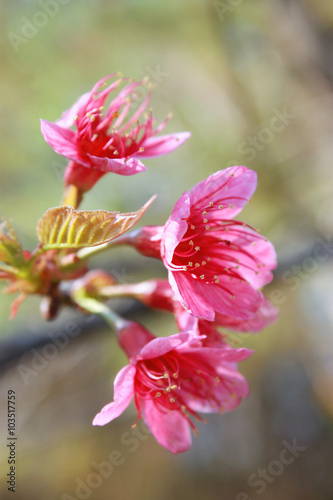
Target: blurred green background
x,y
252,80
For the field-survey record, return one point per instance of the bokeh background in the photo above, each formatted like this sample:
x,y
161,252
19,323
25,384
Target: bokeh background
x,y
253,81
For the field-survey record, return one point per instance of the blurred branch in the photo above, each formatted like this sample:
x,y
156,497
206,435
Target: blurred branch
x,y
13,348
20,343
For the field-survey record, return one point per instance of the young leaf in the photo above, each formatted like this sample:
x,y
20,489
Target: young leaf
x,y
65,227
10,247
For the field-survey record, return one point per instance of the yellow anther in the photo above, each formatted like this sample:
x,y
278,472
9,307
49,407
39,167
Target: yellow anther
x,y
207,227
197,264
216,276
192,227
217,281
211,204
204,212
141,150
209,259
231,206
197,248
205,220
158,394
175,375
165,375
172,400
232,297
220,207
190,264
203,263
173,387
184,268
202,276
191,242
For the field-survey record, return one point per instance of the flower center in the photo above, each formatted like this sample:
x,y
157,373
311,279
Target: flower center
x,y
213,247
173,381
104,134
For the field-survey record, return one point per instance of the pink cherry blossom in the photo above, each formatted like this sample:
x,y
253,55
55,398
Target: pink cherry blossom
x,y
172,379
107,140
216,264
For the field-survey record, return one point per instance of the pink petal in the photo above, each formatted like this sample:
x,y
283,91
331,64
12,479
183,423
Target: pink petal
x,y
266,315
232,188
185,321
62,140
162,345
184,289
227,398
203,299
171,430
123,167
215,356
123,393
255,256
175,228
68,117
157,146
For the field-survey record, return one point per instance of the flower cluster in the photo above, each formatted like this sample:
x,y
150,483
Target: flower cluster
x,y
216,265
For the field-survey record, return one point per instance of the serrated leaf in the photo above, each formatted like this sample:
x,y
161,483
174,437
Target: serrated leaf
x,y
65,227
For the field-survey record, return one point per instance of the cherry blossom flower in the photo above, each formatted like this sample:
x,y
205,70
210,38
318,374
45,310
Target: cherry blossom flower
x,y
172,379
216,264
107,140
